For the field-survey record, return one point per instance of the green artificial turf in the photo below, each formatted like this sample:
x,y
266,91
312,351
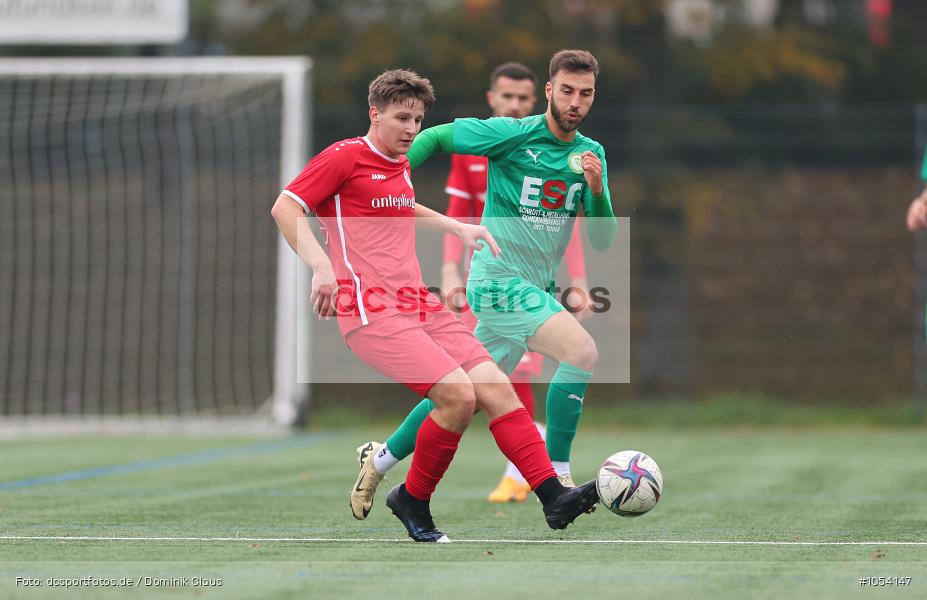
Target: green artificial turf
x,y
785,491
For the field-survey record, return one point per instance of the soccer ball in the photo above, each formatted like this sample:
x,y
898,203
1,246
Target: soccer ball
x,y
629,483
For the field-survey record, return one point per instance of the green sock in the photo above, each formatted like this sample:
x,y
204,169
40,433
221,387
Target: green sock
x,y
564,405
402,443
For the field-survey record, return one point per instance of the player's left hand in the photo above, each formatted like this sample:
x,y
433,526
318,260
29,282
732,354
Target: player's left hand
x,y
592,171
473,237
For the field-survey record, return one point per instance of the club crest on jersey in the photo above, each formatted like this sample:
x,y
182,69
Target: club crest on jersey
x,y
575,162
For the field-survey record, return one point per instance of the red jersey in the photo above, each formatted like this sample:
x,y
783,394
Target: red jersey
x,y
467,181
466,187
357,193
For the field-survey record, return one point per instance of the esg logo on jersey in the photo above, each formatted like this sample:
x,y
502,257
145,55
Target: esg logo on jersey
x,y
550,195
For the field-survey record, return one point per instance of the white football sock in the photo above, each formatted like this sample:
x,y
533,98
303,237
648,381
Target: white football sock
x,y
512,471
384,460
542,430
562,468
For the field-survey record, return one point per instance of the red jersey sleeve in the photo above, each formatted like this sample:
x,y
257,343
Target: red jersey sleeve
x,y
574,254
321,178
460,205
458,184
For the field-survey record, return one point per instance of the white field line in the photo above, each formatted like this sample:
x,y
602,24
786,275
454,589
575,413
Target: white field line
x,y
92,538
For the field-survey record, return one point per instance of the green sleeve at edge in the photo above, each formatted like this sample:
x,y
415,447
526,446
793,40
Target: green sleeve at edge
x,y
439,137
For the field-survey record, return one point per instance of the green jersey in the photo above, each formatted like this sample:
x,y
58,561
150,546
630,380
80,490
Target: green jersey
x,y
535,186
924,167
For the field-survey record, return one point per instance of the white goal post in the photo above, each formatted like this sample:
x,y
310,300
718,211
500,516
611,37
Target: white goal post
x,y
136,253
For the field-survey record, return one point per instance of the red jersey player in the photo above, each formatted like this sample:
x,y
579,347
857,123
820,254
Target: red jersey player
x,y
511,94
370,279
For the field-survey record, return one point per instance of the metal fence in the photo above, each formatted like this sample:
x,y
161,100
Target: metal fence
x,y
769,258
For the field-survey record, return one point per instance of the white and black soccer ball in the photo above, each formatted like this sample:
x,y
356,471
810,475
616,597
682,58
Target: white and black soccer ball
x,y
629,483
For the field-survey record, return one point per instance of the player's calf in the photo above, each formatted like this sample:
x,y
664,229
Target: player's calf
x,y
518,438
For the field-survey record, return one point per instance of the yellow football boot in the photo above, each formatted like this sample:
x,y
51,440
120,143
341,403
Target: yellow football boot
x,y
509,490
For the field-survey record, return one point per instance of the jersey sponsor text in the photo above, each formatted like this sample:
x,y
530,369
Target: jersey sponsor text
x,y
391,201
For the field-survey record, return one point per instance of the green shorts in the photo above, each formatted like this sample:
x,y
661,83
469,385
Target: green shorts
x,y
508,312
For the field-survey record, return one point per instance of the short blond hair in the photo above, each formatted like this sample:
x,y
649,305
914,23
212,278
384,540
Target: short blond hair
x,y
399,86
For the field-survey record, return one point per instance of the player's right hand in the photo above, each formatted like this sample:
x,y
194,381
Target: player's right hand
x,y
474,236
324,287
917,213
592,171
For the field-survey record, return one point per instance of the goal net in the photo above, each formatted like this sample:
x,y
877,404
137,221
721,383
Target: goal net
x,y
138,258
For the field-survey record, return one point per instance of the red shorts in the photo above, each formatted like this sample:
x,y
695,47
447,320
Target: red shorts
x,y
417,353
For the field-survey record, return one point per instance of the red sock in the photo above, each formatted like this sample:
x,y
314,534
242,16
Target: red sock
x,y
521,443
434,451
525,392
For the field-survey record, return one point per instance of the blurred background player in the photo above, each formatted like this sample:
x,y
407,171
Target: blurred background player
x,y
362,192
917,212
512,93
541,170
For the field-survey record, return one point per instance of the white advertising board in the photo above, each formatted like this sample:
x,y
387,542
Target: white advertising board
x,y
93,22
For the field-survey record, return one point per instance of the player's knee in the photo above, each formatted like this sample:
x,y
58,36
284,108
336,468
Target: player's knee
x,y
461,399
585,355
493,374
496,395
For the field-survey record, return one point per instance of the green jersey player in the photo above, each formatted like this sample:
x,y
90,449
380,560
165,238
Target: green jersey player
x,y
541,172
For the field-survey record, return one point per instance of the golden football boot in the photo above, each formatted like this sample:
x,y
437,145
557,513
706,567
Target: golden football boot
x,y
566,480
367,481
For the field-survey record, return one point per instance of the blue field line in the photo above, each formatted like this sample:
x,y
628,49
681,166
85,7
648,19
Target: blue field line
x,y
198,458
